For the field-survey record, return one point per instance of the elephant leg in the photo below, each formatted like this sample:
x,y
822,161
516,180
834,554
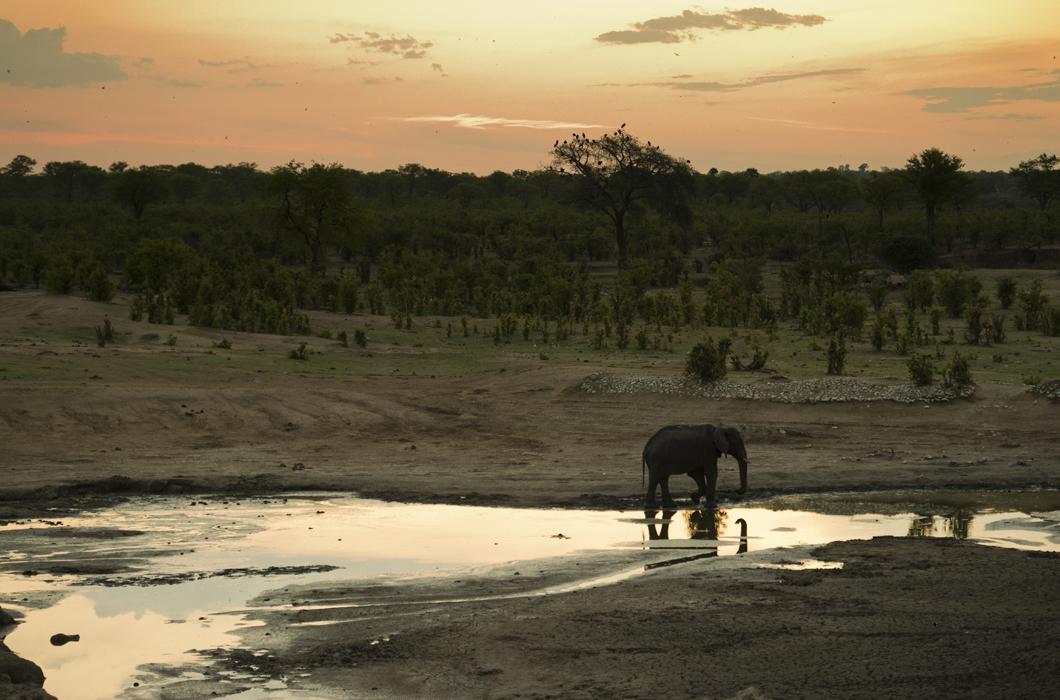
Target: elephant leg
x,y
712,481
667,498
698,476
649,497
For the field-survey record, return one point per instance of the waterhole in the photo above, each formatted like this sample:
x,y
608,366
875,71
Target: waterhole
x,y
147,583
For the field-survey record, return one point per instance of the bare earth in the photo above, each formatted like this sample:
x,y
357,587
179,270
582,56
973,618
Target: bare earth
x,y
904,618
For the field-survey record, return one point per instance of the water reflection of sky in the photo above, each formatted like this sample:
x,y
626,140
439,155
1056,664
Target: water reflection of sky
x,y
122,628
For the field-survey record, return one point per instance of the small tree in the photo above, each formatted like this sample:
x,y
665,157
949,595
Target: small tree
x,y
837,355
937,178
100,287
1039,178
957,372
1006,291
706,361
921,369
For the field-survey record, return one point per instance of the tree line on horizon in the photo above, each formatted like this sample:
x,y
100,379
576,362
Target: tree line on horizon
x,y
234,246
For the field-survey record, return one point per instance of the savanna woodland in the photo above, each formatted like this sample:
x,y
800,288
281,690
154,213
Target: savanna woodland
x,y
616,245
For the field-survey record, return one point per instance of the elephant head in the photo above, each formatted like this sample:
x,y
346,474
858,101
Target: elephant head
x,y
728,441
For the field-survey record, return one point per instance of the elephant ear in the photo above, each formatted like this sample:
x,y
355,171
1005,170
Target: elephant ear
x,y
721,441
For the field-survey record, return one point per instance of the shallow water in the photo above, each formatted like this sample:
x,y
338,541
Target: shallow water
x,y
123,627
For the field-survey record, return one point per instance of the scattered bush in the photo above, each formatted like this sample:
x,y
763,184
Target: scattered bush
x,y
955,290
837,355
921,369
1006,291
171,340
344,340
223,344
919,290
706,361
957,372
100,288
360,339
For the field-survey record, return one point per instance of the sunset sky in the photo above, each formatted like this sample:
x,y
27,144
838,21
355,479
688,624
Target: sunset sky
x,y
489,85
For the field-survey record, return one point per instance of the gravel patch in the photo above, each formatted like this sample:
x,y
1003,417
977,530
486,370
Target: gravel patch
x,y
824,390
1049,389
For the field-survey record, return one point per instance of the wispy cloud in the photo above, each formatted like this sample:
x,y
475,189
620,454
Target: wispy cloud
x,y
816,126
437,68
403,46
673,29
172,82
475,121
37,59
1010,117
259,83
234,66
683,84
964,99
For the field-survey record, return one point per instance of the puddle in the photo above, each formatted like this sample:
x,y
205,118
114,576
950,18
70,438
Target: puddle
x,y
159,578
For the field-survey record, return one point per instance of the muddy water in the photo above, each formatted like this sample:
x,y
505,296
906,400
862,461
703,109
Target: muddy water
x,y
157,579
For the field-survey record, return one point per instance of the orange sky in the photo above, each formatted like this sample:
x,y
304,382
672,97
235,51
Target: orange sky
x,y
479,86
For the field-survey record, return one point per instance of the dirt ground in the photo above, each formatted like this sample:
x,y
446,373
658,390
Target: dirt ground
x,y
903,618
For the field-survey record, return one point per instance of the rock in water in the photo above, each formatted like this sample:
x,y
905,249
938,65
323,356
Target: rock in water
x,y
58,640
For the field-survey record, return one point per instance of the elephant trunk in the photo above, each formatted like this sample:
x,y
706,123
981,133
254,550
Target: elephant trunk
x,y
742,460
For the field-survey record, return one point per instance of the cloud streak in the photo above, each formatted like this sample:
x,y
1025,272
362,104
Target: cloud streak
x,y
407,47
37,59
673,29
686,85
475,121
815,126
966,99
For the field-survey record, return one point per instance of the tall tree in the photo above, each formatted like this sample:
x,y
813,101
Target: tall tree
x,y
938,179
314,204
1039,178
882,191
20,166
616,172
138,187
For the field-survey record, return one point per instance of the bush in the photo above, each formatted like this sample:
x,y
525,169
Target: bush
x,y
837,355
878,293
136,309
955,290
973,317
301,353
995,329
171,341
344,340
360,339
759,357
706,361
223,344
920,290
59,279
906,253
878,337
1006,291
1033,304
105,333
935,314
100,288
921,369
957,372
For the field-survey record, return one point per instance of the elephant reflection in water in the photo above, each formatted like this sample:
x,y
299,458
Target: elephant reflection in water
x,y
956,521
707,524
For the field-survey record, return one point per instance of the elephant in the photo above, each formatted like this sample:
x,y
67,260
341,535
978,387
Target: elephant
x,y
692,450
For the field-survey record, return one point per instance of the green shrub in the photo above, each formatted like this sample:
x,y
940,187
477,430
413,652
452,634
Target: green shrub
x,y
957,372
973,318
995,329
344,340
878,338
837,355
759,357
223,344
100,287
706,361
955,290
935,314
877,293
171,340
60,277
921,369
919,290
1006,291
360,339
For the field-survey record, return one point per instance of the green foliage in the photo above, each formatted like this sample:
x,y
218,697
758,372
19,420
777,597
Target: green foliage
x,y
223,344
344,340
837,355
1033,304
955,290
706,360
921,369
105,333
935,314
1006,291
877,293
878,337
759,357
60,277
360,339
973,318
100,287
957,372
920,290
171,340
